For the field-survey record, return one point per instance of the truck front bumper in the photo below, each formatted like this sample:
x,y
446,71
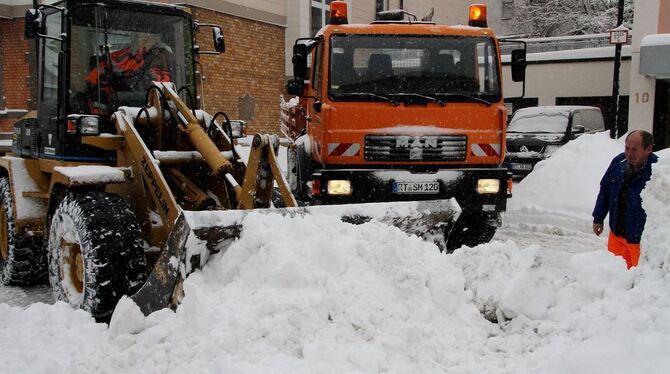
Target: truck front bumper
x,y
403,185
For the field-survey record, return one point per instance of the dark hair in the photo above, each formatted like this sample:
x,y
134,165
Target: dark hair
x,y
647,138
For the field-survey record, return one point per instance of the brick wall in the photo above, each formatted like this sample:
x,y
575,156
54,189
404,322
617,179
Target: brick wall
x,y
14,78
252,64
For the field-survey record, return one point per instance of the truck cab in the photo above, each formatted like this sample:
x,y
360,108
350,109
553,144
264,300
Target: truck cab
x,y
401,110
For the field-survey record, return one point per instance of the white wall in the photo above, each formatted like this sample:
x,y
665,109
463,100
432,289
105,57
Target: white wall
x,y
548,81
643,89
297,26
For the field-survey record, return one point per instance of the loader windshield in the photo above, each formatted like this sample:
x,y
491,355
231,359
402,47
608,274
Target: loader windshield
x,y
413,68
116,54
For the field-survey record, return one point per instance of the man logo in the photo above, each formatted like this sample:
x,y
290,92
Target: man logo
x,y
416,142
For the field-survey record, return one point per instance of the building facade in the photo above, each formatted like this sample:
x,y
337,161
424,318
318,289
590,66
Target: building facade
x,y
650,70
575,70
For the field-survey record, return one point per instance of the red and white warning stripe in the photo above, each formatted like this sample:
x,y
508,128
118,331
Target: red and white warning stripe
x,y
344,149
485,149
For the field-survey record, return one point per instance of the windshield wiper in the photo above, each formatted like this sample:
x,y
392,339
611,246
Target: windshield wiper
x,y
414,94
371,95
465,96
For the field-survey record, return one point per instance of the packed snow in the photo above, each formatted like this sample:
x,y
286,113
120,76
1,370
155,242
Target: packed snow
x,y
312,294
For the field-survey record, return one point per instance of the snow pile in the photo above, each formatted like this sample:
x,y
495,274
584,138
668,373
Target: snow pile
x,y
656,202
313,294
568,181
590,314
509,282
44,338
333,298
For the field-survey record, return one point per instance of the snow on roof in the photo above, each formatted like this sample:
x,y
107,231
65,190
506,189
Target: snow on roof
x,y
560,107
655,40
551,108
8,111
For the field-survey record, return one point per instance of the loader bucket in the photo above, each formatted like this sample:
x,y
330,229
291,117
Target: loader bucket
x,y
198,234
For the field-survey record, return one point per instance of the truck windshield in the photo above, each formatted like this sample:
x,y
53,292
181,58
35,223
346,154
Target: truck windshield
x,y
542,121
407,67
116,54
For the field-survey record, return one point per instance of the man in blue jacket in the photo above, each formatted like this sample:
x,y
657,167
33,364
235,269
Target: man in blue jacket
x,y
619,196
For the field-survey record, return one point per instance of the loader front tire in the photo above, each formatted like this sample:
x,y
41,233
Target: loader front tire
x,y
22,259
95,252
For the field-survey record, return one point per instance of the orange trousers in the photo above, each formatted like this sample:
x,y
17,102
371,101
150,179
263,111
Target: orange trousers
x,y
620,247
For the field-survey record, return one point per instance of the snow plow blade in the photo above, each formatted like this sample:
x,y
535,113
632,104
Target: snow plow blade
x,y
198,234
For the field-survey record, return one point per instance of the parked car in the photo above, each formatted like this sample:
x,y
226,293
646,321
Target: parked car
x,y
535,133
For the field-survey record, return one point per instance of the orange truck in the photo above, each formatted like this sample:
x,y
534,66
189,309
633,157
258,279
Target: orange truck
x,y
402,110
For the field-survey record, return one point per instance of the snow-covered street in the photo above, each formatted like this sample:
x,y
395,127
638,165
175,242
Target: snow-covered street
x,y
313,294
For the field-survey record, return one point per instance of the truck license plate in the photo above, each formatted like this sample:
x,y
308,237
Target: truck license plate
x,y
524,167
432,187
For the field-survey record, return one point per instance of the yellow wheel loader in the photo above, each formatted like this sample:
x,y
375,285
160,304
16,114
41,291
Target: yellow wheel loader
x,y
116,186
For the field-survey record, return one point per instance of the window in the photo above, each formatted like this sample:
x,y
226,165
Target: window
x,y
321,14
316,78
380,6
367,67
592,120
139,52
51,50
507,9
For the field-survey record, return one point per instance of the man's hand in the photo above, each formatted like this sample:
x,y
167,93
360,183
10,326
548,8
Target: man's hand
x,y
598,228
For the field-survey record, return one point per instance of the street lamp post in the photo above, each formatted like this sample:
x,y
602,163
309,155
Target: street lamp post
x,y
618,128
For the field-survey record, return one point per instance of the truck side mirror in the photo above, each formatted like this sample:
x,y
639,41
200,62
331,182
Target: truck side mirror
x,y
219,42
518,65
299,61
295,87
33,24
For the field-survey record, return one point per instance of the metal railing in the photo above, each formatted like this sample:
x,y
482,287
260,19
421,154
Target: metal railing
x,y
562,43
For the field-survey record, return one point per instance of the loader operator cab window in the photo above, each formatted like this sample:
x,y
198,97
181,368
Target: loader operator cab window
x,y
116,55
447,68
50,73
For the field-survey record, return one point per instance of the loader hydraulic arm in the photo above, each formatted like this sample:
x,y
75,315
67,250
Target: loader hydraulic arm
x,y
196,134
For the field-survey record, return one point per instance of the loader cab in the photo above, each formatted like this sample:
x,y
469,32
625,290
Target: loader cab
x,y
95,57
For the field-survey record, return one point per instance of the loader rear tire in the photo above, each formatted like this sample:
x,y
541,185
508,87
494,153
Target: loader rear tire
x,y
22,258
95,252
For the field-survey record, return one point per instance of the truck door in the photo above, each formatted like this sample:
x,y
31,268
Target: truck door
x,y
314,103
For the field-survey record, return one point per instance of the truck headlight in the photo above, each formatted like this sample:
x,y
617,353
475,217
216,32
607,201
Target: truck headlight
x,y
488,186
339,187
89,125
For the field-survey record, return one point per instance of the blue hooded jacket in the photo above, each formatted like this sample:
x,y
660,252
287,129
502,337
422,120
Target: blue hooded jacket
x,y
610,186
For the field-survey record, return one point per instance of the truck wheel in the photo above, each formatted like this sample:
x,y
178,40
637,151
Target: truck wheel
x,y
470,232
22,259
305,167
95,252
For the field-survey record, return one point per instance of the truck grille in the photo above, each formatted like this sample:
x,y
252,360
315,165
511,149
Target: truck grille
x,y
415,148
